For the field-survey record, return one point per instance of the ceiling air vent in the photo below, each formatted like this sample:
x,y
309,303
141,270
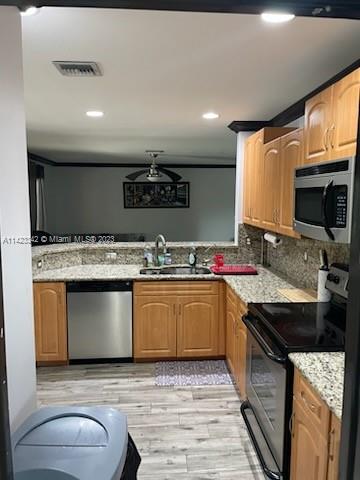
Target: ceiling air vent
x,y
78,69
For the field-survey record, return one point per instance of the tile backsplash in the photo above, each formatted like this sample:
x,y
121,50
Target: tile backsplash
x,y
299,259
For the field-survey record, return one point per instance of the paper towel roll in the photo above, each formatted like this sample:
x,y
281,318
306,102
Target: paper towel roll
x,y
273,239
323,293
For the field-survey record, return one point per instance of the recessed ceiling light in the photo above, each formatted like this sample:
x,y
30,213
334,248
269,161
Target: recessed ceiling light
x,y
277,17
95,113
210,115
29,11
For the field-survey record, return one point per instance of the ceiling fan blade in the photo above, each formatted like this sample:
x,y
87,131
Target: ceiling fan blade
x,y
135,175
174,176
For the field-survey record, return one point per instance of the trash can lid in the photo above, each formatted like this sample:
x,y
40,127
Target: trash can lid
x,y
77,442
72,430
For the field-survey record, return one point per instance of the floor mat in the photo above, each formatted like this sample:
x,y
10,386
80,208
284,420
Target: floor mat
x,y
192,373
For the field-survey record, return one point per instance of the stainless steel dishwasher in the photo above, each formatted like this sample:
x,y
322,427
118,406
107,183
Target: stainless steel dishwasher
x,y
99,320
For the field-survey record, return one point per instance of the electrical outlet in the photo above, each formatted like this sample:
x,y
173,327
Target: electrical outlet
x,y
110,256
306,256
39,264
248,241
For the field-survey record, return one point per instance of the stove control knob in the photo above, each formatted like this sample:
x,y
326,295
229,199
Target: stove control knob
x,y
330,277
336,279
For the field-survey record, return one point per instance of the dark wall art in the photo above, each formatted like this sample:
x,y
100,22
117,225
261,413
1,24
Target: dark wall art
x,y
156,195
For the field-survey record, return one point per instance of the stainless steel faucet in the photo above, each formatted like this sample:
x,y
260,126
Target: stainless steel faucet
x,y
159,238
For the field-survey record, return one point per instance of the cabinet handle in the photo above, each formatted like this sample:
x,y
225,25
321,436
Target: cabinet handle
x,y
332,445
174,309
326,138
332,136
179,310
291,424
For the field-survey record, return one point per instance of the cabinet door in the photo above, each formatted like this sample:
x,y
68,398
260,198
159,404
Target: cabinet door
x,y
248,155
257,180
334,449
291,156
230,338
271,185
197,326
318,117
309,449
240,358
154,326
343,132
50,322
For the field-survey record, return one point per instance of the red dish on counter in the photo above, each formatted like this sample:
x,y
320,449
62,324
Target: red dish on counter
x,y
234,270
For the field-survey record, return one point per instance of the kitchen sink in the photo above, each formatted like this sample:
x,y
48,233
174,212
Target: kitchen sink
x,y
175,270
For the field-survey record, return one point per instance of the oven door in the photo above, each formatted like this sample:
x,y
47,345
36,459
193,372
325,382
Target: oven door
x,y
266,388
323,206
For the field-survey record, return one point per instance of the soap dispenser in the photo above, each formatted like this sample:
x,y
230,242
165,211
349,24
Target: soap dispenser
x,y
192,256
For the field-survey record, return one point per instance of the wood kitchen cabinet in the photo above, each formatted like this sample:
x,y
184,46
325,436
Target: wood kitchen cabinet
x,y
331,119
178,320
197,326
281,157
236,340
334,448
271,185
254,174
344,127
240,350
318,117
309,448
50,322
291,156
315,435
231,314
155,326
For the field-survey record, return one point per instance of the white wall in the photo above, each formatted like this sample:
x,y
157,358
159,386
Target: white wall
x,y
15,223
89,199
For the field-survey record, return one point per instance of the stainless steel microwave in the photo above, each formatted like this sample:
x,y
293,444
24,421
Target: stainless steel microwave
x,y
324,199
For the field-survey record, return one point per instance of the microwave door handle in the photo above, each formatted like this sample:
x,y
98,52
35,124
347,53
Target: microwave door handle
x,y
324,209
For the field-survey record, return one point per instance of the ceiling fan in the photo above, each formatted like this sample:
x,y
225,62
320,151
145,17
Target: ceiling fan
x,y
154,172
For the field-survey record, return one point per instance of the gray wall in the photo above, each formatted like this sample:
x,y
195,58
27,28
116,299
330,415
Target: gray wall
x,y
87,199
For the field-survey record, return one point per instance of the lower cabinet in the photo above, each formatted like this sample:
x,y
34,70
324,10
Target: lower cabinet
x,y
50,322
197,326
334,448
155,326
309,448
236,339
315,435
177,320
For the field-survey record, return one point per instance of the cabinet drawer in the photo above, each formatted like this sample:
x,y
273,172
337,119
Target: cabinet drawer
x,y
169,287
316,408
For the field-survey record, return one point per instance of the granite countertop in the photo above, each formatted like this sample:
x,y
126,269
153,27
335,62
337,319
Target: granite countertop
x,y
250,288
325,372
39,250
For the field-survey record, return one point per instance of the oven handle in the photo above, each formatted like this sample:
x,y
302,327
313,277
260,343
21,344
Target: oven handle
x,y
263,344
324,209
269,473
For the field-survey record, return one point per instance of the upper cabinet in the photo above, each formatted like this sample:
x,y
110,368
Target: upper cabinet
x,y
344,128
254,175
271,185
269,181
318,118
291,156
331,120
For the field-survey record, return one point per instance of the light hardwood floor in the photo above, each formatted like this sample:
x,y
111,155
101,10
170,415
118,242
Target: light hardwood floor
x,y
192,433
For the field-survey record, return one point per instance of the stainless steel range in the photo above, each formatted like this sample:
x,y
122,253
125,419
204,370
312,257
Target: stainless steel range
x,y
274,331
